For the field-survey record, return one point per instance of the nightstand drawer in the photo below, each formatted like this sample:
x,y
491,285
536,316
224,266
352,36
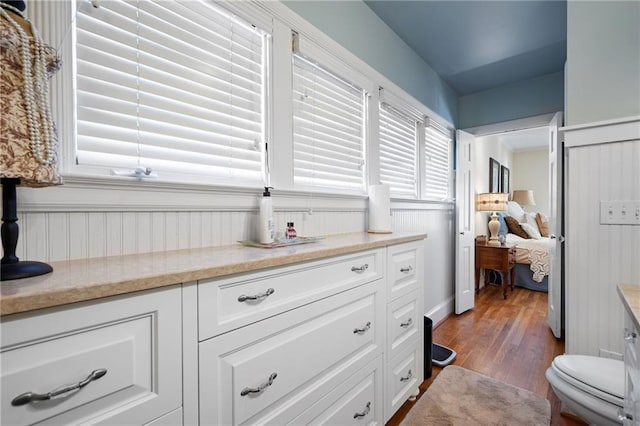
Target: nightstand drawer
x,y
489,257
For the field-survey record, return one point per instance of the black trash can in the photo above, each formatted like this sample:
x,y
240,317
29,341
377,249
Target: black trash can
x,y
428,340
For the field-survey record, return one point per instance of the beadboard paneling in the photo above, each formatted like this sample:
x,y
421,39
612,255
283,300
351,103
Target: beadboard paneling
x,y
599,257
51,236
438,223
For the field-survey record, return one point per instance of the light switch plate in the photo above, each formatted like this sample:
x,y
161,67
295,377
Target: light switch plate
x,y
615,212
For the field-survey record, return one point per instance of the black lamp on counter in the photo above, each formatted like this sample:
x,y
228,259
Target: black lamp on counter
x,y
28,141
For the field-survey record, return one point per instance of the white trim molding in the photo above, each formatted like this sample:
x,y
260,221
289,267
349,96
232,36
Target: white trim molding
x,y
617,130
91,194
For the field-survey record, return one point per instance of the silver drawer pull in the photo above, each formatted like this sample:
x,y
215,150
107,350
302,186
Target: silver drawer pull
x,y
362,330
406,269
258,296
407,377
28,397
629,334
622,416
247,391
407,323
360,269
364,412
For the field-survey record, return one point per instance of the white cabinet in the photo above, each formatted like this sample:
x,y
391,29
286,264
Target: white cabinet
x,y
333,341
631,410
405,327
126,350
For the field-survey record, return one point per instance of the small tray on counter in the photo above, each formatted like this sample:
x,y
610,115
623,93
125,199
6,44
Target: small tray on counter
x,y
281,243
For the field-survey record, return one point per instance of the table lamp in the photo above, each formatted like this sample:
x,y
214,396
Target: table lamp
x,y
524,197
492,202
28,141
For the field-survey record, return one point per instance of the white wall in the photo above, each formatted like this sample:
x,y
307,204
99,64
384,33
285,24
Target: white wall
x,y
603,60
599,257
485,147
531,171
603,65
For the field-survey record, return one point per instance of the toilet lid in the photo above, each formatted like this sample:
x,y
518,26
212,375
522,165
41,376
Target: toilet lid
x,y
602,374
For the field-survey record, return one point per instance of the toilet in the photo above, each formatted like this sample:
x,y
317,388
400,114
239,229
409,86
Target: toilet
x,y
590,387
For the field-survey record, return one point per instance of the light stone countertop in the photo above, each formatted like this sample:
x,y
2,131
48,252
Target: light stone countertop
x,y
88,279
630,295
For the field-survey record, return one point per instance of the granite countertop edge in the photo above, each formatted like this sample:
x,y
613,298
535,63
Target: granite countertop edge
x,y
89,279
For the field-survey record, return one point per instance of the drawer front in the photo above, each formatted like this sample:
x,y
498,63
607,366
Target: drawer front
x,y
123,336
405,268
404,375
404,323
248,375
231,303
356,401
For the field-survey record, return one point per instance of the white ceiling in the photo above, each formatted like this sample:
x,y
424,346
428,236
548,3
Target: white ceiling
x,y
526,139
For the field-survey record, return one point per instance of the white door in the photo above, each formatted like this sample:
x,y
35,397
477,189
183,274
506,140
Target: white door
x,y
556,153
465,223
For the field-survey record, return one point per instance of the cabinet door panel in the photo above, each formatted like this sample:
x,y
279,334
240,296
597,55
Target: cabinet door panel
x,y
130,337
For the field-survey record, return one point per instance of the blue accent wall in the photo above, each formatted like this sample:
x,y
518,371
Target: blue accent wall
x,y
356,27
540,95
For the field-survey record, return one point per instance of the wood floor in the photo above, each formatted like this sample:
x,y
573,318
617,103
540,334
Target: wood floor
x,y
508,340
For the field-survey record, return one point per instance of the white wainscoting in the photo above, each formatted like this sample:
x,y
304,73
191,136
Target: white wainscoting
x,y
51,236
73,234
599,257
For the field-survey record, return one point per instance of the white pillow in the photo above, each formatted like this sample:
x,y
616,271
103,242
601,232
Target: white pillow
x,y
531,231
530,218
515,211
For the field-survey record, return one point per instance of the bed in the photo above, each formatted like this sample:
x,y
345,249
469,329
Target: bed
x,y
532,249
532,261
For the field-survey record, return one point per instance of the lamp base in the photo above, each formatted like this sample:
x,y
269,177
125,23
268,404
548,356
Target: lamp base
x,y
23,269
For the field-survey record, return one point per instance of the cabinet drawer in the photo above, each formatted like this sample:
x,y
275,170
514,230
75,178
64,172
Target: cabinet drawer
x,y
132,338
356,401
231,303
403,324
404,275
404,375
249,375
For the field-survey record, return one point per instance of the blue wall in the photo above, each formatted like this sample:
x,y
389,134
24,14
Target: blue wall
x,y
522,99
356,27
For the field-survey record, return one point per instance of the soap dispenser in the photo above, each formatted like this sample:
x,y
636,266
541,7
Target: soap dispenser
x,y
266,218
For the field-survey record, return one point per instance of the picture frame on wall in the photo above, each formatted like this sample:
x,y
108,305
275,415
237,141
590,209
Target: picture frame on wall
x,y
504,180
494,175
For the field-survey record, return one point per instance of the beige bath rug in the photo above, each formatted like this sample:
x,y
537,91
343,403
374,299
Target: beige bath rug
x,y
462,397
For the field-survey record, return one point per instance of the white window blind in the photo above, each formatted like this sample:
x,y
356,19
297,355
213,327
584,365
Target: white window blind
x,y
328,129
398,152
175,86
438,141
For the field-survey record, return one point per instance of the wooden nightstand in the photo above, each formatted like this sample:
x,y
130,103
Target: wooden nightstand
x,y
502,258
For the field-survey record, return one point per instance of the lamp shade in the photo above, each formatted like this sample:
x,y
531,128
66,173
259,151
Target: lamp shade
x,y
491,202
524,197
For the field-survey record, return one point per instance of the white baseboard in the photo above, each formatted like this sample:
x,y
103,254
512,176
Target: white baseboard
x,y
441,311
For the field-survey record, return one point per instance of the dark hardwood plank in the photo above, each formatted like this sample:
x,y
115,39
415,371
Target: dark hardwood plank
x,y
508,340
